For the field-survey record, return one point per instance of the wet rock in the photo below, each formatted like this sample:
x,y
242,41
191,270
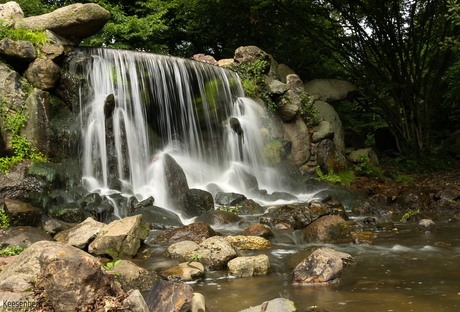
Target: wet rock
x,y
322,267
70,277
159,218
275,305
258,230
17,184
131,276
43,74
229,199
449,193
23,236
243,242
121,238
280,196
72,21
176,182
364,237
183,250
297,216
414,199
198,202
170,296
197,232
219,217
186,271
244,179
215,252
328,229
21,213
426,225
69,212
249,207
81,235
236,126
249,266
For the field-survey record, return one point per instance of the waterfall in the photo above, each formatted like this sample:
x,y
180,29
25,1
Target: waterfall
x,y
141,106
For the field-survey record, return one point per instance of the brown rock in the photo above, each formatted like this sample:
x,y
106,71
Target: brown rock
x,y
170,296
328,229
258,230
43,73
196,232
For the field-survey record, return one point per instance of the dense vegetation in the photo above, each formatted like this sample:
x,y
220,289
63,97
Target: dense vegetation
x,y
403,54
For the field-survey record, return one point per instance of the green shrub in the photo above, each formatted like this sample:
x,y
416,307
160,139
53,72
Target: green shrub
x,y
10,251
37,38
345,177
4,219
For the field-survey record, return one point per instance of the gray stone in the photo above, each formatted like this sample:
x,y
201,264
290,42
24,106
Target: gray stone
x,y
121,238
297,133
200,57
11,87
43,73
17,49
183,250
81,235
215,252
322,267
283,71
250,54
328,229
23,236
170,296
21,213
277,87
186,271
72,21
11,11
322,131
37,129
329,114
249,266
131,276
275,305
329,90
197,232
198,303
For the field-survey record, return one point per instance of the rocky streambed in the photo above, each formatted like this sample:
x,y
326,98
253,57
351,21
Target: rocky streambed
x,y
356,249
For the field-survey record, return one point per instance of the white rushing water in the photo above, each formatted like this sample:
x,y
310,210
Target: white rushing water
x,y
168,105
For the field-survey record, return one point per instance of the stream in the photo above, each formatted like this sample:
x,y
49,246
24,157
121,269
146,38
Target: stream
x,y
404,270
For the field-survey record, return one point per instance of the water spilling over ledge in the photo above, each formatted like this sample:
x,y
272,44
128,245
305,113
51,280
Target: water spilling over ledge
x,y
141,107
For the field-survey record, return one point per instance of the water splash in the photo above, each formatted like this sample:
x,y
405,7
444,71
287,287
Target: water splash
x,y
142,106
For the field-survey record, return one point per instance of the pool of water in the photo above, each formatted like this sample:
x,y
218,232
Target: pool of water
x,y
404,270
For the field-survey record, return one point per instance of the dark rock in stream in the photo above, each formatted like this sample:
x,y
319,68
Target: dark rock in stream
x,y
250,207
219,217
196,232
198,202
229,199
258,230
328,229
176,182
159,218
69,212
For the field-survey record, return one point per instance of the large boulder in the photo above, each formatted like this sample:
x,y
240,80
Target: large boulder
x,y
17,50
69,277
121,238
296,132
12,87
37,129
330,90
21,213
215,252
250,54
11,11
43,73
197,202
74,21
249,266
197,232
82,234
329,114
243,242
176,182
322,267
131,276
328,229
170,296
23,236
19,184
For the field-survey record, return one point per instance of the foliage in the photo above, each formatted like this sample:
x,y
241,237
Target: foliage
x,y
307,111
4,220
342,177
365,168
233,209
253,75
409,214
196,257
38,38
111,265
22,148
10,251
272,152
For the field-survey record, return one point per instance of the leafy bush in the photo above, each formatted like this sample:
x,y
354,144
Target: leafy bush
x,y
4,220
344,177
37,38
10,251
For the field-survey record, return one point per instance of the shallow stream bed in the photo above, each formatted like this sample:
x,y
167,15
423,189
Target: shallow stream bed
x,y
404,270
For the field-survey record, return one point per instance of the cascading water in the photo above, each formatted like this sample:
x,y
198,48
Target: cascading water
x,y
143,106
